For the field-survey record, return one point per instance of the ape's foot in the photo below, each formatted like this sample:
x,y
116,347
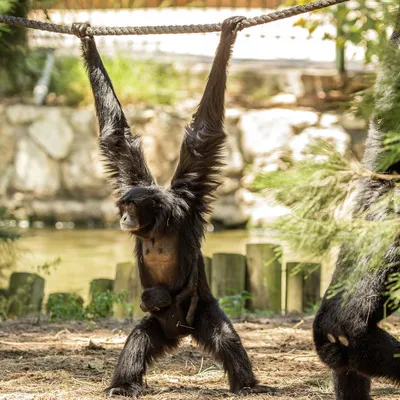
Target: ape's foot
x,y
79,29
257,389
126,390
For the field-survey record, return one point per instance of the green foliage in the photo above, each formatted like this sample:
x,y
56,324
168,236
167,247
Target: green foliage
x,y
135,81
101,306
65,307
312,308
18,303
13,45
235,305
315,189
69,306
363,23
8,250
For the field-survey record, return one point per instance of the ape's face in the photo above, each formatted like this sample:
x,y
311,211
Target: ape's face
x,y
140,209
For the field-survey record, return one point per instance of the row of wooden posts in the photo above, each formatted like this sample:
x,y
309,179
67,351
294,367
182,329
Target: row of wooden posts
x,y
261,272
271,283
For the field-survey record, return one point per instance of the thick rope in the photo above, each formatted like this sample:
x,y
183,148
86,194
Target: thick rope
x,y
164,29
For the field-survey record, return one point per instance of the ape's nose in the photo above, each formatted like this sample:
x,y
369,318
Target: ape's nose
x,y
124,218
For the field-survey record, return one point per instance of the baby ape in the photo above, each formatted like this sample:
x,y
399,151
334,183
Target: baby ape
x,y
169,222
346,334
168,311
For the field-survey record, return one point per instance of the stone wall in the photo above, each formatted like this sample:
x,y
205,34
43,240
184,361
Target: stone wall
x,y
50,169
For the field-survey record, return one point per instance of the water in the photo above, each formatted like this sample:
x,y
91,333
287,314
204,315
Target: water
x,y
90,254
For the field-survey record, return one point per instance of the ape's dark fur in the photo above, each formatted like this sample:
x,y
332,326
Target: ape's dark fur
x,y
169,223
155,298
346,334
158,301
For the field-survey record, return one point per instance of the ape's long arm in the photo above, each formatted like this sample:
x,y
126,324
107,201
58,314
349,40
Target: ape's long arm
x,y
123,152
195,178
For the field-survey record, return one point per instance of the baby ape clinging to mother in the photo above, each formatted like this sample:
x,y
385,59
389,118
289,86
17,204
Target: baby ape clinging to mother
x,y
169,223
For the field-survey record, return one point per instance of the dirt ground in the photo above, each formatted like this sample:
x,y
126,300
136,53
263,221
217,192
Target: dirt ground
x,y
75,361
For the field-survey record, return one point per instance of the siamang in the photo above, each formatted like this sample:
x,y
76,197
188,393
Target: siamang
x,y
346,333
169,223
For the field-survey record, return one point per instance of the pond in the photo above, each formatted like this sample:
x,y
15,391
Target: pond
x,y
90,254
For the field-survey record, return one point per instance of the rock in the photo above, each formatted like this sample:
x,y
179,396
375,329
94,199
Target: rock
x,y
5,179
20,114
35,172
228,186
301,119
228,211
270,163
162,138
138,116
109,211
264,132
282,99
7,145
267,131
72,210
232,116
262,211
335,136
351,122
53,134
233,156
83,122
83,173
327,120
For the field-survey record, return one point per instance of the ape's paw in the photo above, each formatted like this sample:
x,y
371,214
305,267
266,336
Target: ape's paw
x,y
232,25
257,389
125,390
80,28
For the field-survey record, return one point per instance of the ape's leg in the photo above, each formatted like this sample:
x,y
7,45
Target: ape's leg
x,y
214,331
349,385
376,354
348,340
144,344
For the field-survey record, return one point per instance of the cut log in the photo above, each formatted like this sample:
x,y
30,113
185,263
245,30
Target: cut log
x,y
265,276
26,293
228,274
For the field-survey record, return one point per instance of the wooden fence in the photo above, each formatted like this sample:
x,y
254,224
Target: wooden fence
x,y
123,4
272,285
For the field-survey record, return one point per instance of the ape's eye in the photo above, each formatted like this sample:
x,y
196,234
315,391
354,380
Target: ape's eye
x,y
131,208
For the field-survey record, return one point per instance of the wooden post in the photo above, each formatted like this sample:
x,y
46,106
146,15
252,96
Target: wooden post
x,y
100,285
127,278
228,274
327,268
294,289
302,289
208,268
26,293
264,276
312,287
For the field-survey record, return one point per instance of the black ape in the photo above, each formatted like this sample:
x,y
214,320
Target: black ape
x,y
169,223
158,301
346,334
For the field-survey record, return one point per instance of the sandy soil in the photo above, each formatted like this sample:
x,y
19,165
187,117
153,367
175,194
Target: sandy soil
x,y
59,361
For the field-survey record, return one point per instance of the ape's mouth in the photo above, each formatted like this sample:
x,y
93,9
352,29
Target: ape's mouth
x,y
129,226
